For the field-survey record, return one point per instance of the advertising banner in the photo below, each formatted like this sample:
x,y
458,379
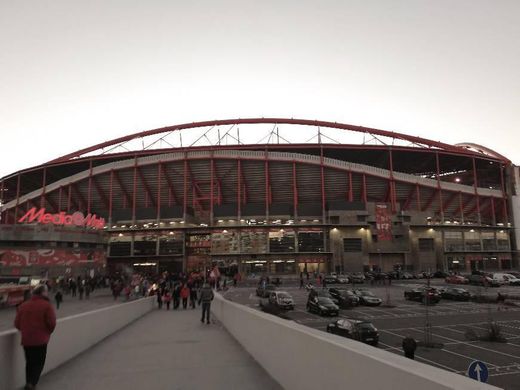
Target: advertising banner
x,y
383,222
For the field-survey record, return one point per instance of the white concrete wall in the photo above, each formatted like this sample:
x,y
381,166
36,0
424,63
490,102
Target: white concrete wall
x,y
72,336
299,357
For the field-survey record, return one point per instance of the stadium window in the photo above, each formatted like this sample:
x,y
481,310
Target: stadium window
x,y
361,218
352,245
334,219
425,244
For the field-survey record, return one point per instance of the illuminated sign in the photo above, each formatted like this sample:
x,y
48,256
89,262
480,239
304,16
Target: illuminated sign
x,y
62,218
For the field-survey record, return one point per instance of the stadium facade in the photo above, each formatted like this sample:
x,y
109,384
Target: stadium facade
x,y
187,196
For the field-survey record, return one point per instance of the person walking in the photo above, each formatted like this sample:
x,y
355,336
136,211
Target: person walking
x,y
167,298
193,296
58,297
81,290
36,320
185,294
409,347
159,299
301,281
206,296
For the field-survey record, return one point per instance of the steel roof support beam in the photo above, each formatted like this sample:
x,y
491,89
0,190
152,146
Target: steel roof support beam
x,y
450,200
146,187
409,199
430,200
123,189
171,190
100,192
82,202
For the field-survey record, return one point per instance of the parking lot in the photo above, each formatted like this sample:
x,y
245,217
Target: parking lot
x,y
450,321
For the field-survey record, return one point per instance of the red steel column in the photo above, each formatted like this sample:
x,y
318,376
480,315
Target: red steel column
x,y
212,184
2,220
42,197
17,198
159,173
350,189
475,185
504,195
267,185
185,200
493,215
60,194
89,187
441,205
111,193
322,174
239,189
69,198
295,190
365,197
461,207
393,200
134,198
418,196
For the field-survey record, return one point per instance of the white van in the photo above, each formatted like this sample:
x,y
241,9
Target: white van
x,y
500,278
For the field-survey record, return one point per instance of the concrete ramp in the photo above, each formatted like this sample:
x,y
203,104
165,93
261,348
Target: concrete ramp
x,y
163,350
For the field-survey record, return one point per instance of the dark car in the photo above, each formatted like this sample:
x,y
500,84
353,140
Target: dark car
x,y
367,298
330,279
363,331
322,306
264,292
482,280
322,293
455,294
424,294
356,278
440,274
345,298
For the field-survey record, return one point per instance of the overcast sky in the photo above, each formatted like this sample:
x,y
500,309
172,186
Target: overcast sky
x,y
75,73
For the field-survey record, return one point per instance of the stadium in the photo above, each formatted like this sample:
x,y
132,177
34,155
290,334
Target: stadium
x,y
264,195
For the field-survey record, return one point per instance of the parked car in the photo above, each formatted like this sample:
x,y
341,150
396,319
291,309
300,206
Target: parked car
x,y
407,275
343,279
322,293
456,294
329,279
357,277
322,306
281,299
512,280
363,331
456,279
500,278
440,274
345,298
264,292
483,280
423,294
367,298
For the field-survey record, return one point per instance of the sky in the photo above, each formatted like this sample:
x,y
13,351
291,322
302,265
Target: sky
x,y
76,73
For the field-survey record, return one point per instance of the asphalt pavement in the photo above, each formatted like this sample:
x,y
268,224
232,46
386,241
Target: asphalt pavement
x,y
450,323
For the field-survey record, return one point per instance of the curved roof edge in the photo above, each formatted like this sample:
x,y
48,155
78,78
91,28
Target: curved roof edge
x,y
482,149
306,122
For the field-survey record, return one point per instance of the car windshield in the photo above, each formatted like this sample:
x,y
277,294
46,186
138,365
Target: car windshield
x,y
284,295
366,325
270,287
346,293
324,300
367,293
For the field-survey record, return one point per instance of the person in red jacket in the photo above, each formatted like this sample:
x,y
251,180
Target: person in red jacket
x,y
36,321
185,294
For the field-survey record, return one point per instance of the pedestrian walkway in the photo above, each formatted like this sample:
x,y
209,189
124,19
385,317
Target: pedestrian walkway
x,y
163,350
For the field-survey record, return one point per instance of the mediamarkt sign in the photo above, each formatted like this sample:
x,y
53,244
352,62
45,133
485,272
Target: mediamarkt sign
x,y
76,219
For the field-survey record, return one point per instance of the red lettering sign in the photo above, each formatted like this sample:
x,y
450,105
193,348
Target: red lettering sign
x,y
76,219
383,223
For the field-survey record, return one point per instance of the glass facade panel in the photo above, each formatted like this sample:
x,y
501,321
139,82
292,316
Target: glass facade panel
x,y
310,242
453,241
281,241
171,244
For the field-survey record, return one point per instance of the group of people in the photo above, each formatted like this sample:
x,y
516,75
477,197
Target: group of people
x,y
179,292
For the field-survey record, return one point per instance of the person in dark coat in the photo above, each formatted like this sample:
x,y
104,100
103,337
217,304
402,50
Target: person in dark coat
x,y
409,347
206,296
58,297
36,320
159,299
